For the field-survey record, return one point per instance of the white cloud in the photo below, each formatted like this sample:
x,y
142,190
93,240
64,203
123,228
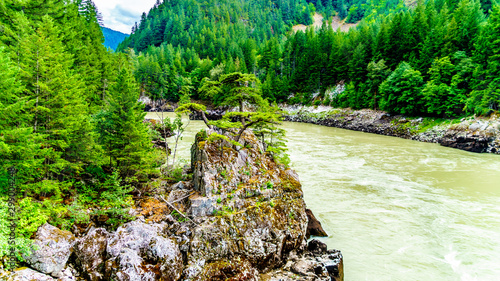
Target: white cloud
x,y
122,14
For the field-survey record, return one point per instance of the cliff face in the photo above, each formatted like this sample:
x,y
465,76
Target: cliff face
x,y
242,217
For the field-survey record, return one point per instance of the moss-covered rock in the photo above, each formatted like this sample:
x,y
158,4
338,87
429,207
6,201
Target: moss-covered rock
x,y
258,212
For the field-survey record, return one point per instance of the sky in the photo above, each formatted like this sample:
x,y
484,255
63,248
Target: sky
x,y
121,15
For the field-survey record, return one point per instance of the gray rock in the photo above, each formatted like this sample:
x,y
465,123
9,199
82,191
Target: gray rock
x,y
179,185
476,126
28,274
137,251
90,252
176,195
165,253
304,267
52,248
316,247
202,206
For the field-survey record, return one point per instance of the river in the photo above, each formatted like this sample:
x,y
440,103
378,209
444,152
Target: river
x,y
397,209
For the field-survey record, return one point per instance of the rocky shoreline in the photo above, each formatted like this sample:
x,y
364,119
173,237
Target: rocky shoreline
x,y
469,134
481,135
241,217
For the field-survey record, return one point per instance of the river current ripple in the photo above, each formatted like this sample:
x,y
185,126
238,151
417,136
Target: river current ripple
x,y
397,209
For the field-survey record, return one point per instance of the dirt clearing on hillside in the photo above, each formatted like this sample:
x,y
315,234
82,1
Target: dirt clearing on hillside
x,y
318,22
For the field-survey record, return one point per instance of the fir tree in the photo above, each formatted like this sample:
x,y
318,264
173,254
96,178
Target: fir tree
x,y
60,113
121,128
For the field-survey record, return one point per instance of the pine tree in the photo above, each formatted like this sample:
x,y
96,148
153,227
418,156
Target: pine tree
x,y
121,128
486,93
18,144
60,113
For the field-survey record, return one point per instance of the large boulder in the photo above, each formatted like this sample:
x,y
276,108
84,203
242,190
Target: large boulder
x,y
52,248
138,251
474,137
90,253
28,274
252,208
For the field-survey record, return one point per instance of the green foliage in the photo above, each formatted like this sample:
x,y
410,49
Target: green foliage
x,y
175,173
78,213
293,66
178,216
443,94
269,185
22,241
226,211
401,91
30,216
215,137
121,128
56,77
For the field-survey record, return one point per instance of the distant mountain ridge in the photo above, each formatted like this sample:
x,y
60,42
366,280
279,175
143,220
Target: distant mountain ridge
x,y
112,38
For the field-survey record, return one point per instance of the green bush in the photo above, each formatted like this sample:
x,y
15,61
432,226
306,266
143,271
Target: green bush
x,y
29,217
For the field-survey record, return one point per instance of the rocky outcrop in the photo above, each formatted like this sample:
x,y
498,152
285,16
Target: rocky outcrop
x,y
256,212
241,217
52,248
156,105
471,134
474,136
28,274
90,254
319,264
369,121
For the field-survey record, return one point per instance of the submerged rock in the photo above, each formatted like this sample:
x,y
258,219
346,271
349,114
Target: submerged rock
x,y
52,249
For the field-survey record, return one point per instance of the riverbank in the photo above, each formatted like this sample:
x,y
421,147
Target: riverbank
x,y
470,134
237,215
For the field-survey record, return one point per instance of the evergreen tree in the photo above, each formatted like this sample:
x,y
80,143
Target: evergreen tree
x,y
439,95
60,113
121,128
377,73
18,144
486,93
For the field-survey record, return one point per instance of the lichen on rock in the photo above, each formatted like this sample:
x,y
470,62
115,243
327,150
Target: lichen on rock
x,y
258,208
52,248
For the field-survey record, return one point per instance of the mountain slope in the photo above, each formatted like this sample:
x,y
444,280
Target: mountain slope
x,y
112,38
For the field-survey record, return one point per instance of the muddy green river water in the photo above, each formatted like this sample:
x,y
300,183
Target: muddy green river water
x,y
397,209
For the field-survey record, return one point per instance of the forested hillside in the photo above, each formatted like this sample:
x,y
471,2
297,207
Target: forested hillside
x,y
70,122
184,41
112,38
435,58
